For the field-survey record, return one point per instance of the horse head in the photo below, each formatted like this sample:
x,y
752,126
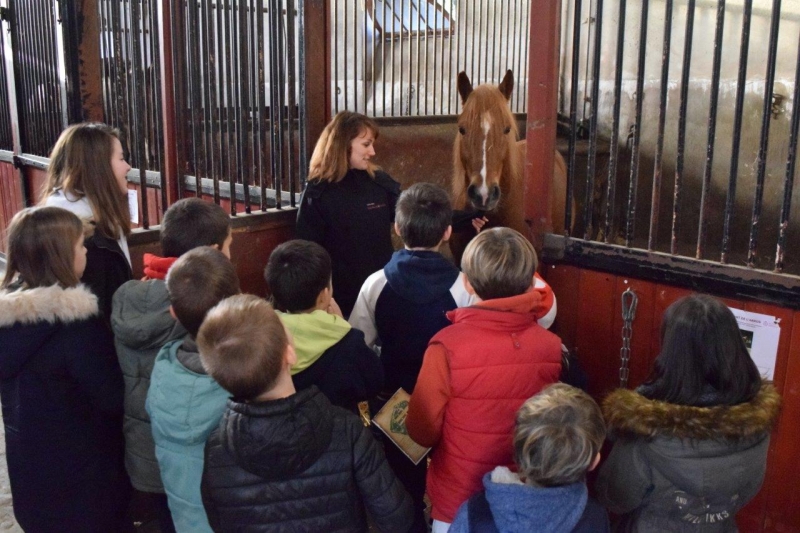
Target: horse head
x,y
485,147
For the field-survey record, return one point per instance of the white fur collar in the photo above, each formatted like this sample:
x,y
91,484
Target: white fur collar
x,y
48,304
502,474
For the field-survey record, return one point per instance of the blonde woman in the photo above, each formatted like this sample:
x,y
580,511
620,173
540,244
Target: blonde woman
x,y
87,176
348,205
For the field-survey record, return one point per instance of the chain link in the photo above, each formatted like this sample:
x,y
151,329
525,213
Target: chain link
x,y
629,303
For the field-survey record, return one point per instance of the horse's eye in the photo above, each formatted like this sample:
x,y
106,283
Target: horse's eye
x,y
507,130
462,130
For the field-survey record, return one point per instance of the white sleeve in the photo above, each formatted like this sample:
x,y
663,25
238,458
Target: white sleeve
x,y
460,294
363,315
547,320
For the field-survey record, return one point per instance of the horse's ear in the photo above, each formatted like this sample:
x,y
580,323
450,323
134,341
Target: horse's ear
x,y
464,86
507,85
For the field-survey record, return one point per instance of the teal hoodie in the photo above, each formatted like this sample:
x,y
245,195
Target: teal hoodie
x,y
185,405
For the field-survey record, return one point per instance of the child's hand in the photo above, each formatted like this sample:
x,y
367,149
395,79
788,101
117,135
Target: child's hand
x,y
333,308
479,223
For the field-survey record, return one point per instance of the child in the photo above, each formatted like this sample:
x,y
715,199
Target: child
x,y
692,442
280,458
142,324
330,353
184,403
557,440
477,372
87,176
60,384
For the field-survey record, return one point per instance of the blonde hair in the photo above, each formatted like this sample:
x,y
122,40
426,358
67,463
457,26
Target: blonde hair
x,y
499,263
80,165
242,343
41,248
331,158
559,433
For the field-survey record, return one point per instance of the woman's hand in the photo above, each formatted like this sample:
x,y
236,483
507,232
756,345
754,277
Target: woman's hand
x,y
479,223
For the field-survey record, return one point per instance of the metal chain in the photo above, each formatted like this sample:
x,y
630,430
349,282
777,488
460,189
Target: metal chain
x,y
629,303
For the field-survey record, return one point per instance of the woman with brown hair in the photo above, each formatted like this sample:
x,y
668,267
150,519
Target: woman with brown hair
x,y
348,205
87,176
60,384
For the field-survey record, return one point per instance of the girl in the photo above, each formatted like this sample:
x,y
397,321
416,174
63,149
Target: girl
x,y
692,441
87,175
60,385
348,205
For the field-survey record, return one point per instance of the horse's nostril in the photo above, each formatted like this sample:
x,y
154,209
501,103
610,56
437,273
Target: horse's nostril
x,y
495,193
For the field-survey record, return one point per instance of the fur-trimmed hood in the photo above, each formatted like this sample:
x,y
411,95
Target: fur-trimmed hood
x,y
28,318
628,413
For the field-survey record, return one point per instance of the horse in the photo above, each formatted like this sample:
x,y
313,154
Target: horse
x,y
489,161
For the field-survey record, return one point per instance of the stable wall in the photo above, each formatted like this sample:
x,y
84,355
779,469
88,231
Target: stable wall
x,y
590,323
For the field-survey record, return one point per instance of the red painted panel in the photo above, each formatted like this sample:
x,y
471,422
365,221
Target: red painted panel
x,y
595,344
36,178
563,279
640,362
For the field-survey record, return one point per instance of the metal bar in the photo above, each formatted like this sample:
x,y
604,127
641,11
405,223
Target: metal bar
x,y
281,117
523,80
16,50
794,129
39,124
355,55
390,33
303,97
130,92
212,132
426,55
346,62
737,128
391,47
159,102
573,111
761,161
53,91
712,128
614,149
195,91
336,53
374,50
230,100
224,95
514,58
435,56
58,40
179,87
243,115
595,101
655,200
290,41
205,90
261,131
121,69
441,50
471,46
480,36
139,91
273,104
363,54
633,184
687,60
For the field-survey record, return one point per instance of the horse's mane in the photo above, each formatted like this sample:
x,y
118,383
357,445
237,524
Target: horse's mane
x,y
485,98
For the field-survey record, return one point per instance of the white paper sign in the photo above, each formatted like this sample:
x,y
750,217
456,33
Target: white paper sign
x,y
133,205
761,334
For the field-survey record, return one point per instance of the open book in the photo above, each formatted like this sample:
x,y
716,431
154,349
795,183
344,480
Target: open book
x,y
391,419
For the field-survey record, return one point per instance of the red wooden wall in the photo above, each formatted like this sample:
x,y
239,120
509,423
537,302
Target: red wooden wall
x,y
590,323
11,198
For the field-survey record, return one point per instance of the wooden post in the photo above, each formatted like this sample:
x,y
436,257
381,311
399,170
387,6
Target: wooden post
x,y
541,124
318,68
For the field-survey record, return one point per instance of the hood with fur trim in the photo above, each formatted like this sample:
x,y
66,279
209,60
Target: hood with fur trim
x,y
28,318
628,413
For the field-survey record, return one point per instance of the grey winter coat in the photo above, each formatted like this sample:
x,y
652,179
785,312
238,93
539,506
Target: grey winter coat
x,y
677,468
142,325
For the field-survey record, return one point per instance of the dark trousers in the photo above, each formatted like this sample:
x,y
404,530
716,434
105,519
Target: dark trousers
x,y
150,512
413,479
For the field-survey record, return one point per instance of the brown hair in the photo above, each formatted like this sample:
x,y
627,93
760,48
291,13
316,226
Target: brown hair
x,y
331,158
193,222
499,263
242,343
80,165
198,281
41,248
559,432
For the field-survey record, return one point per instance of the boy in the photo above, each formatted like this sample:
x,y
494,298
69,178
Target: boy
x,y
282,459
557,440
184,403
477,372
401,307
142,324
330,353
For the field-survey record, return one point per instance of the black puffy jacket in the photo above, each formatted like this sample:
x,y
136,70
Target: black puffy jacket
x,y
299,464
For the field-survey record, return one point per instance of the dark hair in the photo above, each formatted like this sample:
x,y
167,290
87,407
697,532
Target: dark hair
x,y
190,223
423,214
703,359
297,271
80,164
41,248
242,343
197,281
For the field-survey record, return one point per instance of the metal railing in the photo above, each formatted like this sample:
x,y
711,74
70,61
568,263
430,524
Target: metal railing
x,y
402,57
706,120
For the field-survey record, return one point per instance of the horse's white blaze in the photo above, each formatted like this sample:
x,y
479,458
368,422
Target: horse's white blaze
x,y
483,190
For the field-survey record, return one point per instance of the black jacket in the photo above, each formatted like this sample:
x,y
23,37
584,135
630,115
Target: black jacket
x,y
298,464
352,220
347,373
61,390
106,270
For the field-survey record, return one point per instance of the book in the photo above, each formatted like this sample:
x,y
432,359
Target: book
x,y
391,419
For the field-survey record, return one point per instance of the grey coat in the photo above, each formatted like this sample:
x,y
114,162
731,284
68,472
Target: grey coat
x,y
142,324
684,469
